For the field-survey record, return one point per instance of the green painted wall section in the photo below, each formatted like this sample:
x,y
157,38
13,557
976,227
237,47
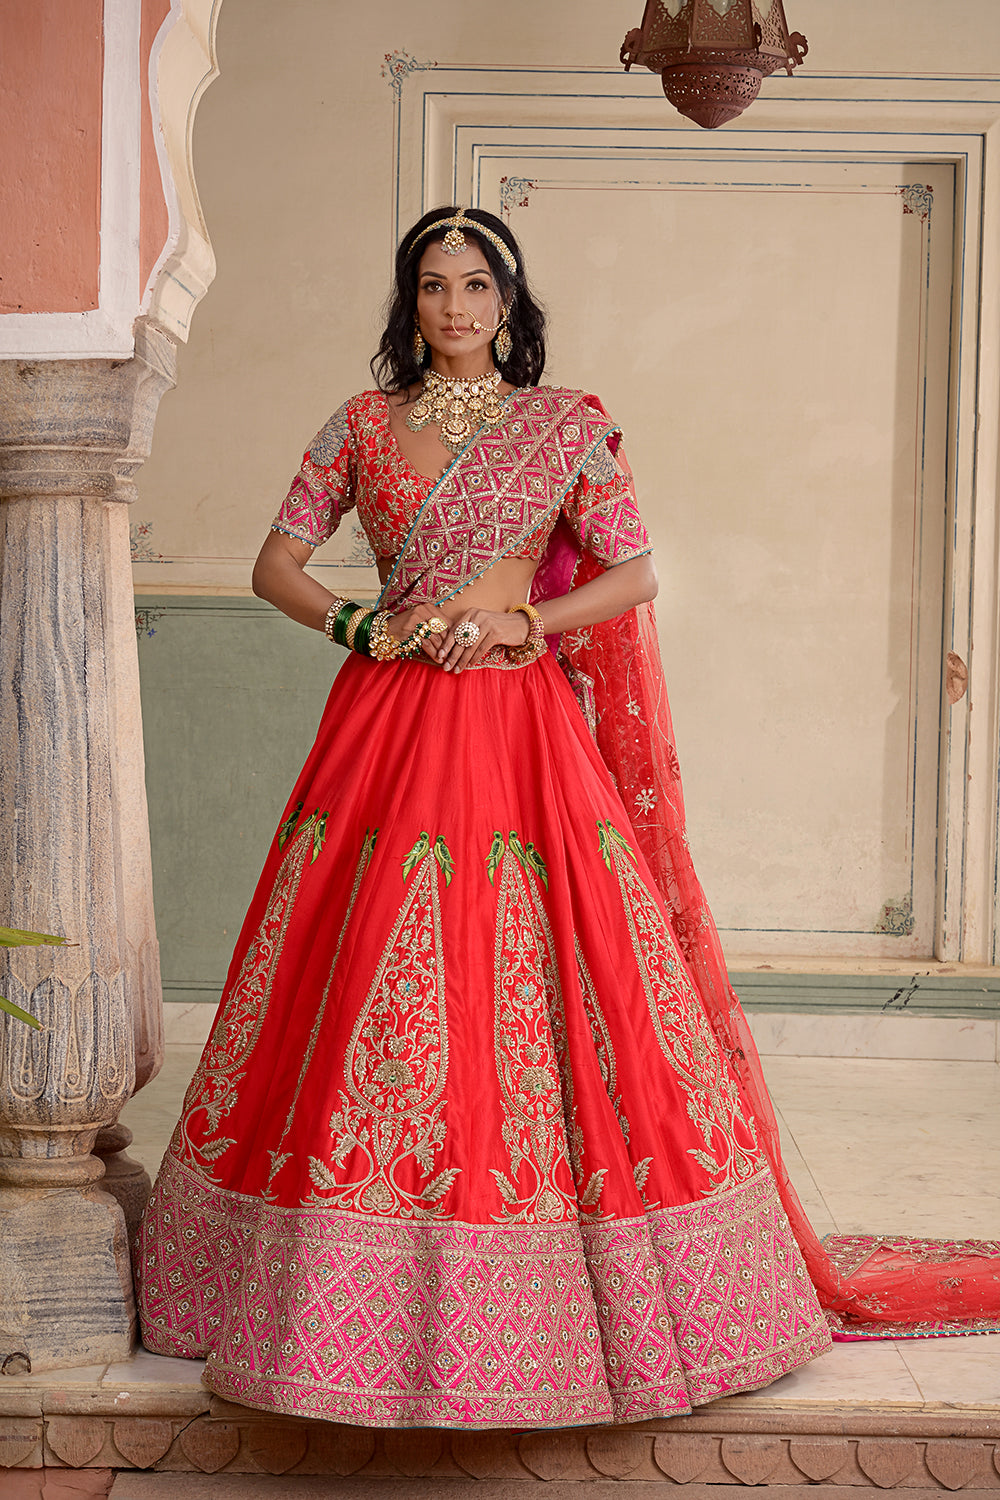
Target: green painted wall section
x,y
232,693
916,994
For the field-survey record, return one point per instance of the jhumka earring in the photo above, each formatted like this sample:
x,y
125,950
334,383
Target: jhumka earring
x,y
419,347
503,343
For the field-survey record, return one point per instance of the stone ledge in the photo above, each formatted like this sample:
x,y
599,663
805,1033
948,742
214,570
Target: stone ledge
x,y
184,1430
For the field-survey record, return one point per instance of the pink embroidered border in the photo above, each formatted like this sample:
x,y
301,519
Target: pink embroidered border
x,y
387,1323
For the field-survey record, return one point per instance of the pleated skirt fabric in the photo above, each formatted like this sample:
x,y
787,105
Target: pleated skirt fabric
x,y
462,1149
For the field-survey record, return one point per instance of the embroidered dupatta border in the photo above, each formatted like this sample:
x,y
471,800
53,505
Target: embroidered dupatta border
x,y
478,462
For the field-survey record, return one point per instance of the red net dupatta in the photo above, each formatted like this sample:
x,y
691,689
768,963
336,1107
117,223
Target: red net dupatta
x,y
871,1286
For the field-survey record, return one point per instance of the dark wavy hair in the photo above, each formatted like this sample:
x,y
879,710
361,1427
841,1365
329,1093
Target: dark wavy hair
x,y
395,366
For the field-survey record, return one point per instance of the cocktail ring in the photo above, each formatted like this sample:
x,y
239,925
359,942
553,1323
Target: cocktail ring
x,y
437,625
467,634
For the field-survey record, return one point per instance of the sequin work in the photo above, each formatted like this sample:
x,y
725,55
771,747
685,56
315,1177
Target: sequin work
x,y
464,1181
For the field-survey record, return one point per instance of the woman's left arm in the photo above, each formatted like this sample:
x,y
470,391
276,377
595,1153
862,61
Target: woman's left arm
x,y
610,594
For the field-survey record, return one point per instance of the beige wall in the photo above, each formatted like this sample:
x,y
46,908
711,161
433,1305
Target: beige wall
x,y
770,325
294,162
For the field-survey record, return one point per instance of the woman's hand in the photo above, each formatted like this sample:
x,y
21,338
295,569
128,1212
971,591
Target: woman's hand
x,y
400,626
496,628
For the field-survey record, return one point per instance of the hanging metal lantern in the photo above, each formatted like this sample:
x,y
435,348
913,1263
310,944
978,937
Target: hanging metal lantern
x,y
713,54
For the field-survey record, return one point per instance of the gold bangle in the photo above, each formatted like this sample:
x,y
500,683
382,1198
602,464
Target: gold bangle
x,y
534,646
382,643
351,629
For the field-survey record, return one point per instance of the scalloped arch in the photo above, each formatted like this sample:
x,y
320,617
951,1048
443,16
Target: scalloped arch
x,y
182,64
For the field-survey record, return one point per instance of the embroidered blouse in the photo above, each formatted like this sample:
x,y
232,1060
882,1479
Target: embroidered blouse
x,y
355,461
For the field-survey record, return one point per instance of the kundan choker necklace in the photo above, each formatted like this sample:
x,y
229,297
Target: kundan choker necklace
x,y
459,406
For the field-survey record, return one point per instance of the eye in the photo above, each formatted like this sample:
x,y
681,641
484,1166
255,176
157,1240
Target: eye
x,y
476,286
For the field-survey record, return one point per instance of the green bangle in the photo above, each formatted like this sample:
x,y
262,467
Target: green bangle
x,y
340,622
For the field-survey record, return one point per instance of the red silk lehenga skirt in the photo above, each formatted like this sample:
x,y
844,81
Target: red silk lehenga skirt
x,y
463,1149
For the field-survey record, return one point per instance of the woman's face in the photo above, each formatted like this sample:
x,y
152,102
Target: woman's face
x,y
452,290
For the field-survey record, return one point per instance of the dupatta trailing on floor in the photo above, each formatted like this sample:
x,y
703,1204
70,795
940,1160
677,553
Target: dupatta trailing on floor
x,y
506,484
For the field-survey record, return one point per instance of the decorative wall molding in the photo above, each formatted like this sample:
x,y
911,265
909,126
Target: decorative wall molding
x,y
182,64
752,1442
461,130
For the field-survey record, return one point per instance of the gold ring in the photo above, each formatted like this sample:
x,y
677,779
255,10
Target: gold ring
x,y
437,626
467,633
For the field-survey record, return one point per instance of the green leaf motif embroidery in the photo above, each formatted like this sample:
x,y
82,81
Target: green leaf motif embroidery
x,y
419,851
538,864
319,837
495,855
608,834
621,841
285,831
517,849
443,856
526,855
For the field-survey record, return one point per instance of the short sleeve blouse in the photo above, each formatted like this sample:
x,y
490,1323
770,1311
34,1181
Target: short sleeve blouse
x,y
354,461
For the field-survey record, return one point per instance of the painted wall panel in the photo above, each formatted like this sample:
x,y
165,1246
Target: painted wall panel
x,y
50,189
774,337
232,693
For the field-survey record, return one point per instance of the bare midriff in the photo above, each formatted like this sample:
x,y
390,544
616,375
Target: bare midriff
x,y
501,586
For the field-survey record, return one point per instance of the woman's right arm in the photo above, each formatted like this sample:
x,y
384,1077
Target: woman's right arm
x,y
279,576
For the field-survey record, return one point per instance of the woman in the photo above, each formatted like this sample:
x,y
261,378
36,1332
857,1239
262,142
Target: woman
x,y
479,1138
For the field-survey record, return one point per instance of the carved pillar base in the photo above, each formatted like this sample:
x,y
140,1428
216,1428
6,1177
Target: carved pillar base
x,y
65,1278
124,1178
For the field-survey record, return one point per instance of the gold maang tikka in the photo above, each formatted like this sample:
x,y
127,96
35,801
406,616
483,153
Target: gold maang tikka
x,y
454,242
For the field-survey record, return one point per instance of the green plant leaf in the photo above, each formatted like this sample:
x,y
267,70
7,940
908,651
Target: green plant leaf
x,y
22,1015
13,937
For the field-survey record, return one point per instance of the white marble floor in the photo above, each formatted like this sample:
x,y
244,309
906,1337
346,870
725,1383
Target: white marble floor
x,y
889,1146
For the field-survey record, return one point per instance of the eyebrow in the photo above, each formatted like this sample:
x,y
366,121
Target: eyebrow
x,y
440,276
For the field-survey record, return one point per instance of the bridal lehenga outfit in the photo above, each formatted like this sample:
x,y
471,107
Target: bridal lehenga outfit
x,y
480,1137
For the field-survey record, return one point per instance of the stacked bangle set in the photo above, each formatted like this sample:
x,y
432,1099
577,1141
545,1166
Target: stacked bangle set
x,y
366,632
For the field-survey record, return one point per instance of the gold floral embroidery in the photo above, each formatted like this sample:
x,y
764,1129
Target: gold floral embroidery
x,y
212,1092
607,1062
397,1062
686,1040
530,1048
279,1157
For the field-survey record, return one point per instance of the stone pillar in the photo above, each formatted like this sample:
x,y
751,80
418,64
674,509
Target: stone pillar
x,y
74,849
